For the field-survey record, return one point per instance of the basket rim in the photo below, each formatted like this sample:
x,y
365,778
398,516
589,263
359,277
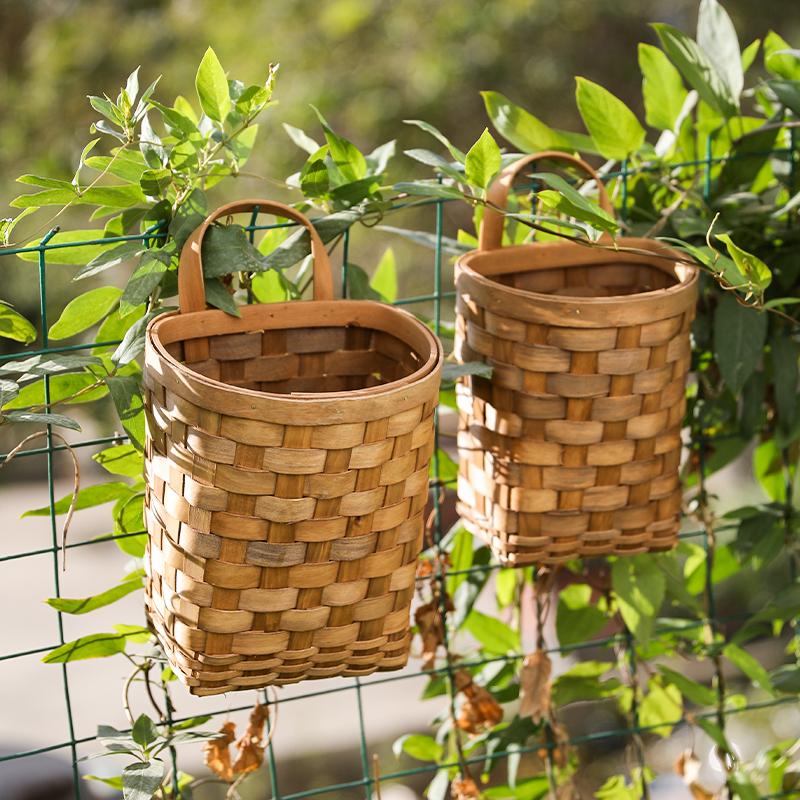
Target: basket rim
x,y
433,363
687,275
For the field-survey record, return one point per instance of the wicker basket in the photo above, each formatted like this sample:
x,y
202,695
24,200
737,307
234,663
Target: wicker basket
x,y
287,474
572,447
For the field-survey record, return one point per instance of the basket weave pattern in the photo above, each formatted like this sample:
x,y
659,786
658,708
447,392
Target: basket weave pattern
x,y
572,447
284,527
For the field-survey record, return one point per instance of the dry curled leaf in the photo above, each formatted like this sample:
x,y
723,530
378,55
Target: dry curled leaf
x,y
688,767
534,681
217,752
464,789
428,618
251,745
479,710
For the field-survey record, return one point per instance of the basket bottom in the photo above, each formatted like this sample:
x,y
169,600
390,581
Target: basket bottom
x,y
517,551
206,675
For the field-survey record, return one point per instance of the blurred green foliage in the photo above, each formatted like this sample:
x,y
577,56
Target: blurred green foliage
x,y
364,63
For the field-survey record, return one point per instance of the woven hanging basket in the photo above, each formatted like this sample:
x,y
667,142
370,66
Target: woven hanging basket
x,y
287,473
572,447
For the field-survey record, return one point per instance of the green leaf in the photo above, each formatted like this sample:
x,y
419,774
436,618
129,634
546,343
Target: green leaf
x,y
217,295
154,182
89,497
768,470
114,782
457,154
128,514
114,196
8,391
14,326
148,274
132,344
694,692
301,139
144,731
521,128
314,180
751,267
428,188
717,38
358,285
96,645
127,397
578,618
661,708
348,160
749,54
125,164
785,354
84,311
109,258
739,335
779,58
639,586
384,279
612,125
483,160
419,746
48,364
75,256
437,162
697,69
786,679
452,371
662,88
41,418
271,287
188,216
493,634
62,388
227,249
121,459
569,201
749,666
461,556
142,780
714,732
84,605
212,87
581,682
429,240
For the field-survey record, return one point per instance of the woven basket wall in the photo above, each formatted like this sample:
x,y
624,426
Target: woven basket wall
x,y
287,474
572,447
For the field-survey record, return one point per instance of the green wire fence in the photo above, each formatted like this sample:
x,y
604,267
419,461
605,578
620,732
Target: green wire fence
x,y
363,784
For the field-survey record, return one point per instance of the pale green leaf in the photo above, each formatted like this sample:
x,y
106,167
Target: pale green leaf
x,y
212,87
612,125
84,311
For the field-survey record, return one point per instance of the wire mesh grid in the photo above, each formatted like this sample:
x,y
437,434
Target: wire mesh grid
x,y
366,781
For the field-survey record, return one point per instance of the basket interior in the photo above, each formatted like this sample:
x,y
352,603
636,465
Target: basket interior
x,y
308,360
595,280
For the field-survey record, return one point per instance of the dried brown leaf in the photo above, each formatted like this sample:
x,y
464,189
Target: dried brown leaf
x,y
479,710
251,745
534,681
464,789
428,618
688,767
217,752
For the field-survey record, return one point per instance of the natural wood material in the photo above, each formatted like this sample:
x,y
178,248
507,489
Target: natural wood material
x,y
572,447
287,474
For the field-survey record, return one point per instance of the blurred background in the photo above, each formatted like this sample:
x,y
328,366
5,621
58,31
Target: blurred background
x,y
366,65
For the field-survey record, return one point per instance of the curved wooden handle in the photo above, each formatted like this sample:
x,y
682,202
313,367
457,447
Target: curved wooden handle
x,y
490,236
191,291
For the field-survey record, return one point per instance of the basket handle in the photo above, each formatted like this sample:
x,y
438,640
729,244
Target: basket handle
x,y
490,235
191,291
